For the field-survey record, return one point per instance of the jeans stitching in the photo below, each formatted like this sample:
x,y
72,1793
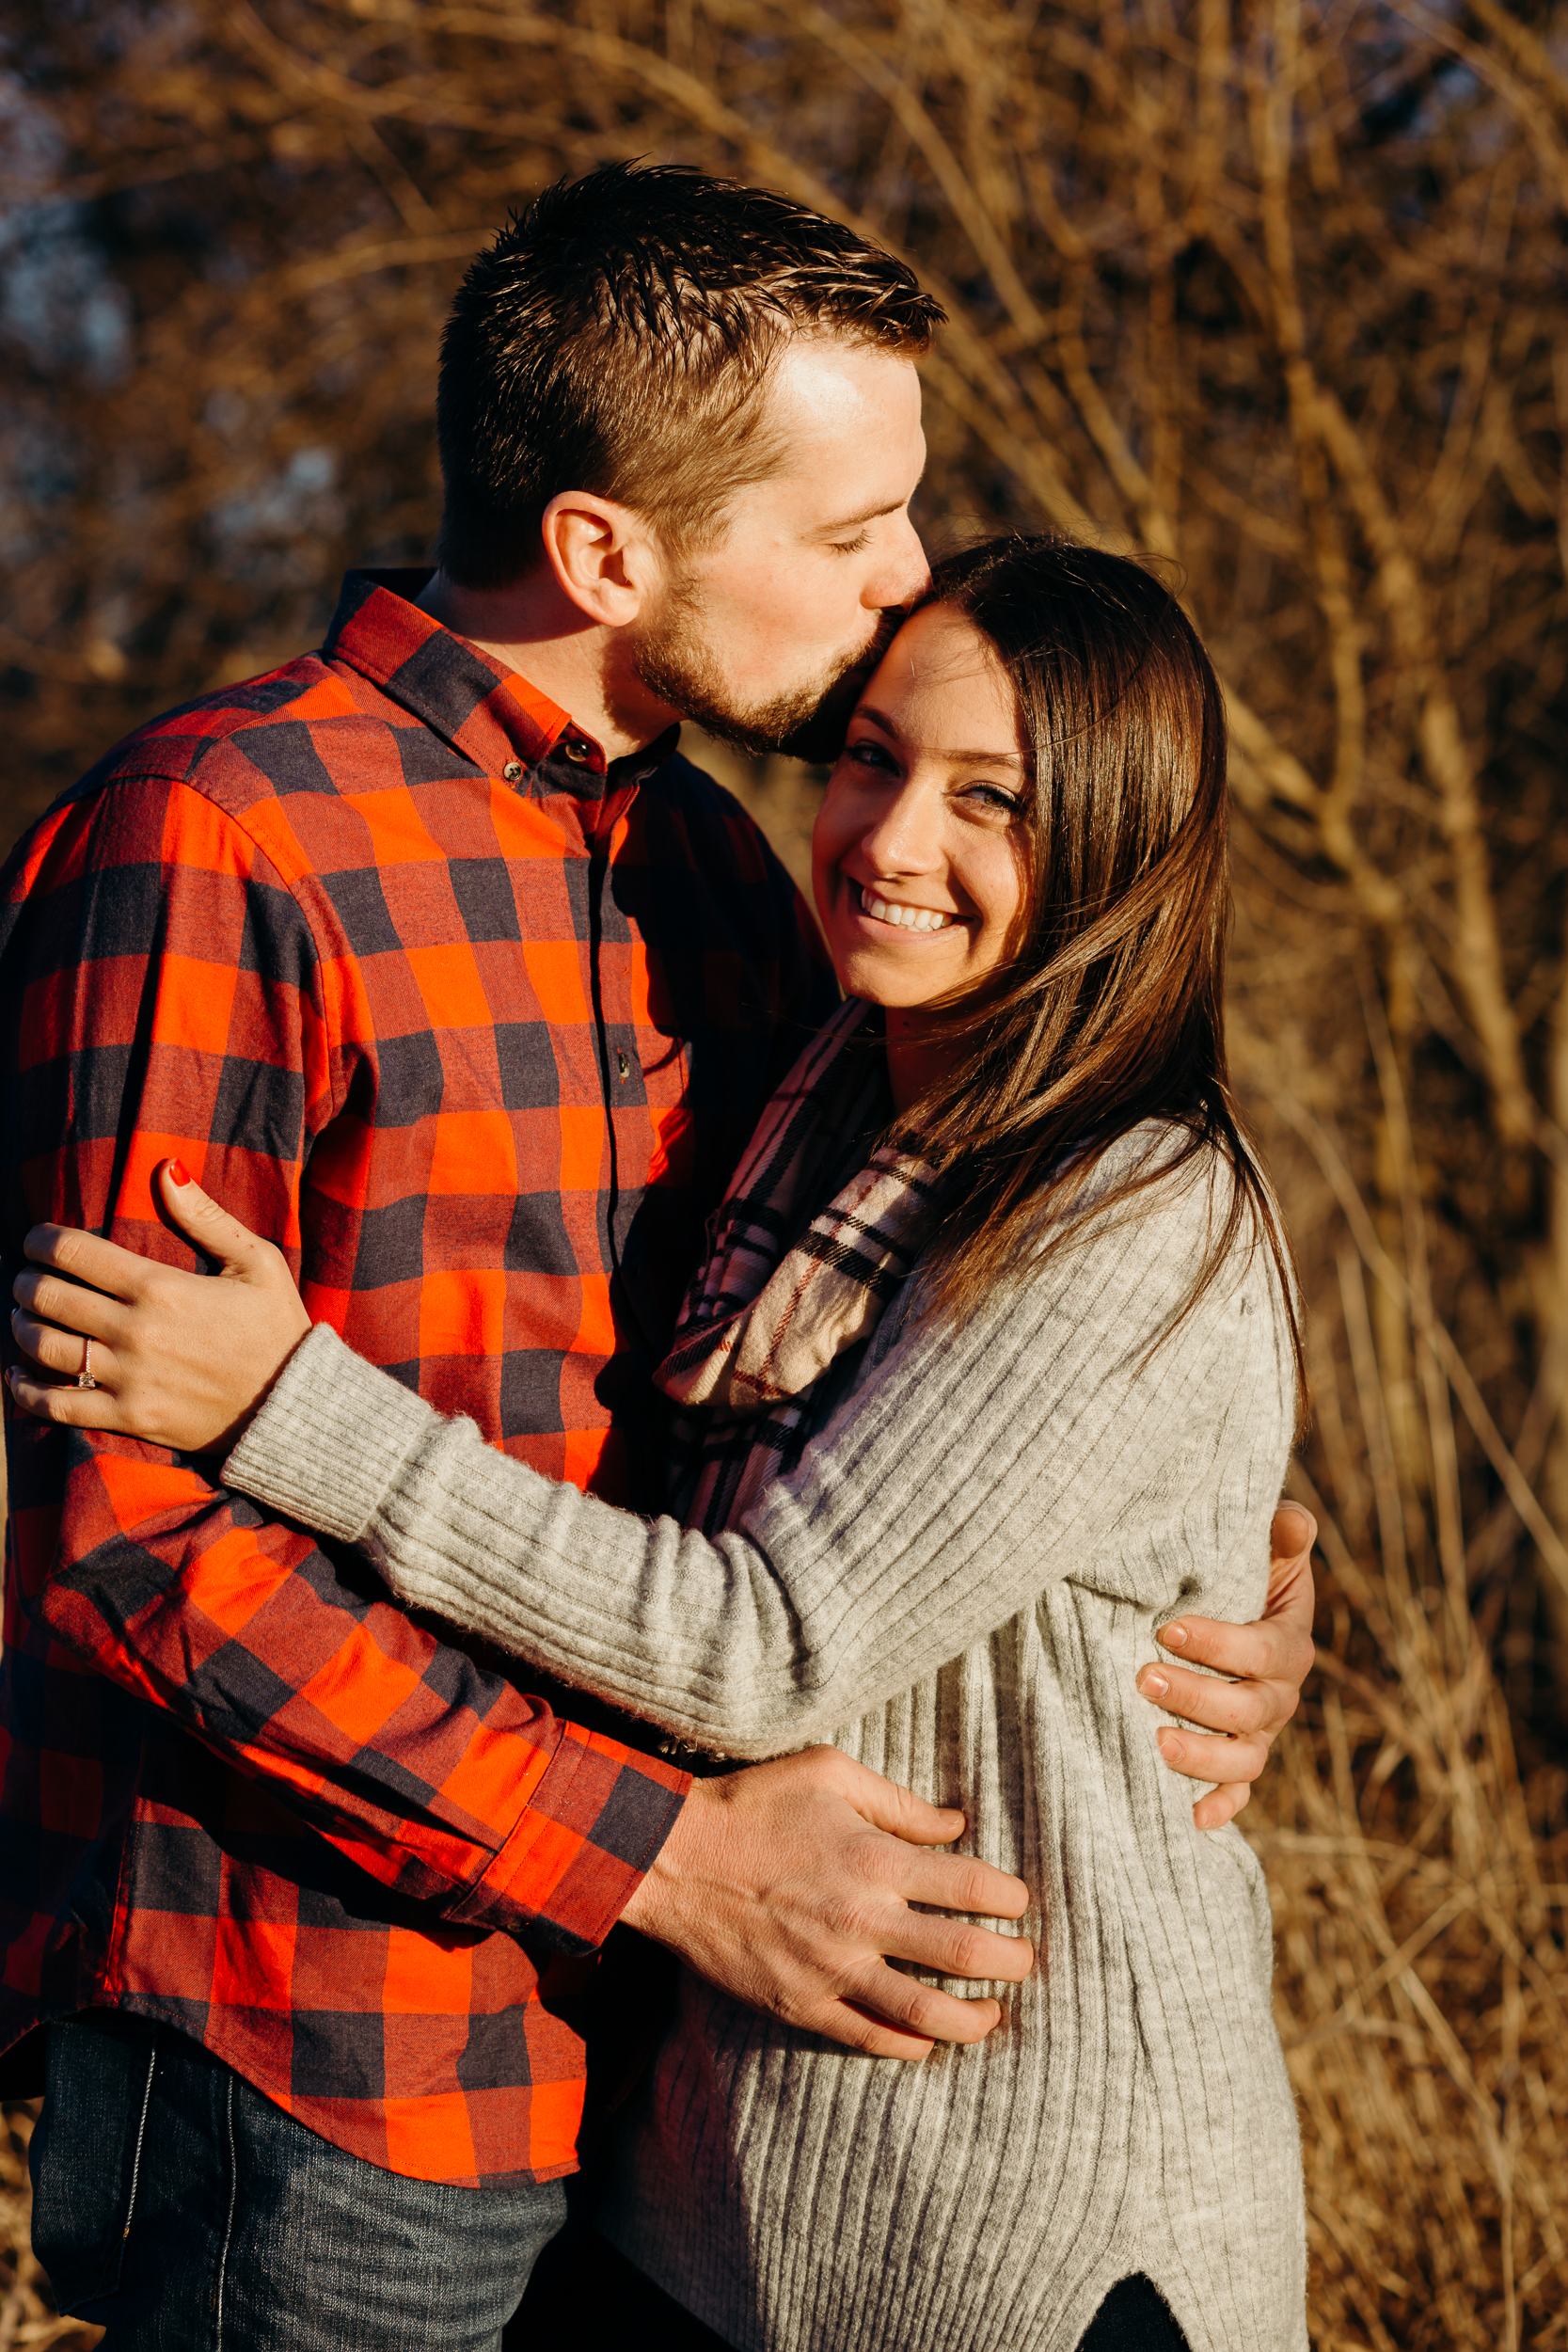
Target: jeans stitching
x,y
228,2220
141,2134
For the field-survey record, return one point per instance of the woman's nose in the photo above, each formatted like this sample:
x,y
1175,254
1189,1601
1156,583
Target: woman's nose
x,y
907,836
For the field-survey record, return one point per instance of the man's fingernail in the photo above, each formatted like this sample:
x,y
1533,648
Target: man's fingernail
x,y
1175,1635
1153,1681
178,1172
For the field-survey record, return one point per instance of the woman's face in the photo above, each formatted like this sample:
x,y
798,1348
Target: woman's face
x,y
917,854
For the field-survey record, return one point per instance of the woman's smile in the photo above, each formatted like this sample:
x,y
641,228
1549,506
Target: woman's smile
x,y
903,917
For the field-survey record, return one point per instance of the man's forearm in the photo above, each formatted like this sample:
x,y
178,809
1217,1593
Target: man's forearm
x,y
437,1777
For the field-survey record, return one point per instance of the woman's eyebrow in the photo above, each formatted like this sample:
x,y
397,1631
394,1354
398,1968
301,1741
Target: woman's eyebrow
x,y
965,759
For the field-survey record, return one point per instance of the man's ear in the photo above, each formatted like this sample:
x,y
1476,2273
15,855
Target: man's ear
x,y
604,556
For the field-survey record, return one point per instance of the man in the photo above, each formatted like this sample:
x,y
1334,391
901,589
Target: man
x,y
439,965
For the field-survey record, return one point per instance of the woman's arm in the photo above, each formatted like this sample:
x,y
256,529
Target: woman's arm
x,y
978,1466
974,1468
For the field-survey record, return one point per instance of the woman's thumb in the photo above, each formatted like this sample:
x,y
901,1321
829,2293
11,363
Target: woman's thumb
x,y
215,1233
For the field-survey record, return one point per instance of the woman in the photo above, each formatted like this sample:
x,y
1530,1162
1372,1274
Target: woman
x,y
991,1369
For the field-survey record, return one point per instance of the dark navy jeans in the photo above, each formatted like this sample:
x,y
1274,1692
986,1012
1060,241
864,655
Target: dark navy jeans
x,y
176,2207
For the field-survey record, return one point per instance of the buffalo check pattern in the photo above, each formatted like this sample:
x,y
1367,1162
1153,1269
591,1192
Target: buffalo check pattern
x,y
475,1025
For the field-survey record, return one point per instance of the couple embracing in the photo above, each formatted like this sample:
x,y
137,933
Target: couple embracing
x,y
693,1362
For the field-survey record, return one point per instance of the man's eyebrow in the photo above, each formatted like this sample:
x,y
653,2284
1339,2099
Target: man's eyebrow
x,y
867,514
964,759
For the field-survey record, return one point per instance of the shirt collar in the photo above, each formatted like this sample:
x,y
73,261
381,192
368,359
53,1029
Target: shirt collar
x,y
489,713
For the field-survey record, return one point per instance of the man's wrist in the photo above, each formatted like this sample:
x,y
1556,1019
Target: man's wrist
x,y
650,1908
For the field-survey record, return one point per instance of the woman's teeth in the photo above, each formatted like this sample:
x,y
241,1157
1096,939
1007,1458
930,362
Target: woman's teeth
x,y
906,918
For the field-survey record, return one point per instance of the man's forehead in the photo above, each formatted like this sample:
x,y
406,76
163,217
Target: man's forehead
x,y
824,388
852,445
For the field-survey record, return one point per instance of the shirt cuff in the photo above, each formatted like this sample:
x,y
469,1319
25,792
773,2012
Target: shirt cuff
x,y
591,1830
330,1439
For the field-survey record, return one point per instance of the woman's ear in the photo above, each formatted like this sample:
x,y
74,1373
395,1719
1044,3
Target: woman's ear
x,y
603,555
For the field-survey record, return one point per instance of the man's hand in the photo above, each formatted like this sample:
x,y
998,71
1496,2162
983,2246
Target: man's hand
x,y
1270,1660
791,1885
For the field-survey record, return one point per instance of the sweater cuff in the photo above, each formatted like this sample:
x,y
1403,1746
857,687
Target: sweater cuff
x,y
329,1440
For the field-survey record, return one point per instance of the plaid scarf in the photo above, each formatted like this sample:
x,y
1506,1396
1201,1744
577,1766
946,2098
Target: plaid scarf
x,y
786,1295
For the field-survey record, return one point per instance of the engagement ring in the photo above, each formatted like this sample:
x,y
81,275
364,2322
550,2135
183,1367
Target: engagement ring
x,y
85,1379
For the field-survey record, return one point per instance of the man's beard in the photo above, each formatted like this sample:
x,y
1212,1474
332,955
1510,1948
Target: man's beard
x,y
674,661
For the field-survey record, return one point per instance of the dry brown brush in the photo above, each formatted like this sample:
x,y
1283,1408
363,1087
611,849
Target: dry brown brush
x,y
1270,288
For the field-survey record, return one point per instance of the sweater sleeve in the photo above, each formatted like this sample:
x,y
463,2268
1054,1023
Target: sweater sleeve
x,y
971,1468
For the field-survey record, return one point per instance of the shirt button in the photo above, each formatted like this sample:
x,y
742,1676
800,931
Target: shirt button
x,y
576,751
512,772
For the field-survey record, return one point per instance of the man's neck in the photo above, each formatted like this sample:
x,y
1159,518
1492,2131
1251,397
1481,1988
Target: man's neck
x,y
536,630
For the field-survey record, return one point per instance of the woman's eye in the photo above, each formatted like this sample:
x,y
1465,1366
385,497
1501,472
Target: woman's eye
x,y
993,796
868,755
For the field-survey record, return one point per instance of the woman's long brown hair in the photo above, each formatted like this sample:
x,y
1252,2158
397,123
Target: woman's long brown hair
x,y
1113,1006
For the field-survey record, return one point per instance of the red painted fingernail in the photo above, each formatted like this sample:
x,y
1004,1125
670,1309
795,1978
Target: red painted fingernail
x,y
178,1172
1175,1634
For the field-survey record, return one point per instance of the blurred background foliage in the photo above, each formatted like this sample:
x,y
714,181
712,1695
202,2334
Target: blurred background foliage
x,y
1272,289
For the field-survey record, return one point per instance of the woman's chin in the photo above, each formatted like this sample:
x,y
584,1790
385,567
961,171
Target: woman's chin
x,y
868,976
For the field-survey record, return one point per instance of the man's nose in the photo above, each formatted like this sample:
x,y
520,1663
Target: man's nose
x,y
903,573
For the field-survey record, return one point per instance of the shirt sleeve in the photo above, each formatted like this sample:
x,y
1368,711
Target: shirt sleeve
x,y
1058,1435
808,992
166,995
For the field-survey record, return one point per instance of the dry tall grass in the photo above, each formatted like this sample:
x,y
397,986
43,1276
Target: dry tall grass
x,y
1271,289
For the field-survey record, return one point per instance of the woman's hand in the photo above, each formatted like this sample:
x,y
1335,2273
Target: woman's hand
x,y
180,1359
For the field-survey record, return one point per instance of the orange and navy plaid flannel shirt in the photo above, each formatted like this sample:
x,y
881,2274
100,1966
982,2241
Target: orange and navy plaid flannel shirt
x,y
475,1028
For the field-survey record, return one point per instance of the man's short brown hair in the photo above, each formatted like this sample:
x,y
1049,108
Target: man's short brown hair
x,y
617,337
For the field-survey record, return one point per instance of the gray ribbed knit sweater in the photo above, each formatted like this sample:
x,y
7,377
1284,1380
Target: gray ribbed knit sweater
x,y
966,1570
